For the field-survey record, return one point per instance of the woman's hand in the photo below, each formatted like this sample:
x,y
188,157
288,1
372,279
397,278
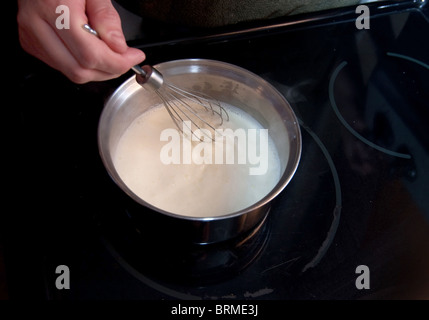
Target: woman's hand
x,y
79,55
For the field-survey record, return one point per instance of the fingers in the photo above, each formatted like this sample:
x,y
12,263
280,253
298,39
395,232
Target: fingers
x,y
92,52
81,56
57,55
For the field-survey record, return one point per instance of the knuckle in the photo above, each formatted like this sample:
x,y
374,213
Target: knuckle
x,y
79,76
107,13
25,20
21,18
88,59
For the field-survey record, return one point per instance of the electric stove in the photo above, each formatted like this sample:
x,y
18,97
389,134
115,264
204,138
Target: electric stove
x,y
359,196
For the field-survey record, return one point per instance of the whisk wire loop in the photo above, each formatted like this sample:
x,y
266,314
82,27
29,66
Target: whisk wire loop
x,y
204,113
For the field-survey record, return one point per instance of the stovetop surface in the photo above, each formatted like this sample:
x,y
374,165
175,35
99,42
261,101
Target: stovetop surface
x,y
359,196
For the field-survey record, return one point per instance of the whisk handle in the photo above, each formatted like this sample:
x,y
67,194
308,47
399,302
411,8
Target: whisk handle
x,y
144,75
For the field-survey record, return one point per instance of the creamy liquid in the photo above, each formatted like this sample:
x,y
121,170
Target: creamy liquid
x,y
197,190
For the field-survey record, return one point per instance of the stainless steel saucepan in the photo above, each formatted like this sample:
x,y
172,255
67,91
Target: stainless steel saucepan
x,y
227,83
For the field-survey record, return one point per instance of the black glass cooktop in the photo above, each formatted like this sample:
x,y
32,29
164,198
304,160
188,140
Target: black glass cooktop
x,y
358,198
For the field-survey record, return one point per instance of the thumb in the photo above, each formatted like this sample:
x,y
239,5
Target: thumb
x,y
104,18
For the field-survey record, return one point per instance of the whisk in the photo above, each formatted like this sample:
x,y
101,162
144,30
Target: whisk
x,y
193,110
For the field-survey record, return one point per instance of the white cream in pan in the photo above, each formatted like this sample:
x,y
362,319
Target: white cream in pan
x,y
194,178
